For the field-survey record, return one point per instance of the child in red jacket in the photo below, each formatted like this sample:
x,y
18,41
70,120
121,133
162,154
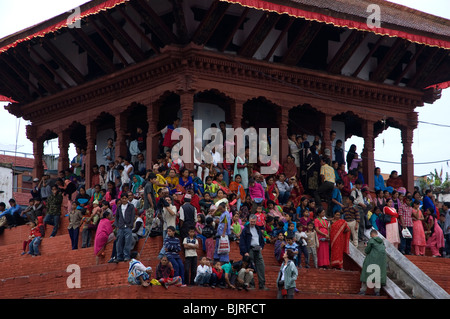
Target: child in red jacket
x,y
217,276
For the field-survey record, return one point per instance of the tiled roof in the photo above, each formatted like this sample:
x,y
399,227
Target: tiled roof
x,y
391,13
19,161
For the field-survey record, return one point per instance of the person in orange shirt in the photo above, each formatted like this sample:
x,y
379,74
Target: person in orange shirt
x,y
237,188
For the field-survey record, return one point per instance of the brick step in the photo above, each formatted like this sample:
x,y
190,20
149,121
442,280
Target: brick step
x,y
110,275
18,234
157,292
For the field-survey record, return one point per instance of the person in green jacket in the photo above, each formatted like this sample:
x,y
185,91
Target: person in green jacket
x,y
374,266
287,276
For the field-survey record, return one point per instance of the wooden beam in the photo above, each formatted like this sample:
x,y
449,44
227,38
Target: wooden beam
x,y
236,27
210,22
411,63
63,61
6,58
180,21
301,42
259,34
22,56
368,56
429,68
122,37
138,29
92,49
107,40
154,21
346,51
390,60
280,38
14,86
49,67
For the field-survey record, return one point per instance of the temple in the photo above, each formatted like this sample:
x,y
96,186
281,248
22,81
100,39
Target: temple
x,y
303,66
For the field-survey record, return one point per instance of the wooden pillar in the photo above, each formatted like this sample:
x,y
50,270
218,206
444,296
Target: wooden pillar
x,y
368,154
407,158
91,154
120,145
63,144
152,141
238,110
187,111
38,151
283,121
325,128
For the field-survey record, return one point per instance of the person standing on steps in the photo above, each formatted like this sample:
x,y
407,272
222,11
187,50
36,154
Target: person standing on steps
x,y
124,224
287,276
375,257
251,244
54,202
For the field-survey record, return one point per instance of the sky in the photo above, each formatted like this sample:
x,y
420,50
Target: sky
x,y
428,140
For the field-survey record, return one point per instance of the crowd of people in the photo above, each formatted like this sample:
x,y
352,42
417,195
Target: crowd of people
x,y
311,210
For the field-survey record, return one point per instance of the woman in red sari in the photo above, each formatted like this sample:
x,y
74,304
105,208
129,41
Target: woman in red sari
x,y
340,237
272,189
322,229
296,192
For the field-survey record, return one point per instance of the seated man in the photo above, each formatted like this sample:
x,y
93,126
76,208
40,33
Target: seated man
x,y
138,274
245,270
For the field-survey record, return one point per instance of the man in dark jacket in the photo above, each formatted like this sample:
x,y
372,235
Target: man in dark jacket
x,y
124,223
251,244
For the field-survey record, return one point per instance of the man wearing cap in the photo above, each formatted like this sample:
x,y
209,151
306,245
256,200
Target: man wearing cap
x,y
35,193
188,216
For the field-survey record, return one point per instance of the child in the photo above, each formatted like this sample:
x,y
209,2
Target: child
x,y
260,218
300,239
205,203
292,245
172,248
275,211
204,271
190,244
138,274
305,219
288,221
199,229
236,227
268,231
38,233
209,233
277,230
34,233
291,230
312,243
75,218
210,187
279,247
85,231
165,274
217,276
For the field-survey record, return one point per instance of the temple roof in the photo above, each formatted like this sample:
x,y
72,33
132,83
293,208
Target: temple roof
x,y
411,48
